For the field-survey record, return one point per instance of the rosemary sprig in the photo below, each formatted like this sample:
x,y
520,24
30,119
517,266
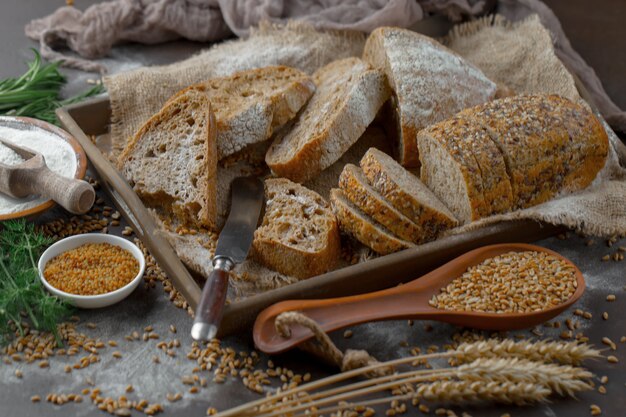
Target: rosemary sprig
x,y
22,296
36,92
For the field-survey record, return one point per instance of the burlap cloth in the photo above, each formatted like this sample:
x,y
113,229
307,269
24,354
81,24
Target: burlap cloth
x,y
519,55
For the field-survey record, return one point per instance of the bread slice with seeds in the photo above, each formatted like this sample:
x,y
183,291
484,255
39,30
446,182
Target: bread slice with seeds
x,y
349,94
407,193
251,105
452,173
299,235
363,228
473,141
356,187
171,161
430,82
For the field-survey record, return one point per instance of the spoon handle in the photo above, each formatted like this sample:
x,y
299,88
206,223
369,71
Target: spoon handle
x,y
74,195
336,313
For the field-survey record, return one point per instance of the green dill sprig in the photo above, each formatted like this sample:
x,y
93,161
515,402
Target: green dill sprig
x,y
22,296
36,92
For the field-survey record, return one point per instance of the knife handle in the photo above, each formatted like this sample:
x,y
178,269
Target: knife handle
x,y
208,314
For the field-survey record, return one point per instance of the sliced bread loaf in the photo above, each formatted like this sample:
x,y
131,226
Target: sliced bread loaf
x,y
349,94
251,105
548,143
171,161
299,235
362,227
356,187
407,193
429,81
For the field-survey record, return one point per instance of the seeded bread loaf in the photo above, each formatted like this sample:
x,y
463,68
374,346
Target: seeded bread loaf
x,y
171,161
299,235
429,81
407,193
549,144
251,105
356,187
363,228
349,94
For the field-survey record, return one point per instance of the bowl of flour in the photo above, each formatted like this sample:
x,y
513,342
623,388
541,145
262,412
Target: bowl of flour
x,y
62,153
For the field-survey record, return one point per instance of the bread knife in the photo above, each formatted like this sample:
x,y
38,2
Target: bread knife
x,y
233,245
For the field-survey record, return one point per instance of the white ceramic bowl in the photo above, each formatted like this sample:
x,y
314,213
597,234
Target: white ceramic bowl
x,y
100,300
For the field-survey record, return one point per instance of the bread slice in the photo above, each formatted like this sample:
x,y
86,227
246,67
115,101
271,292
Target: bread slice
x,y
349,94
362,227
452,174
548,143
299,235
474,140
407,193
355,186
171,161
251,105
430,82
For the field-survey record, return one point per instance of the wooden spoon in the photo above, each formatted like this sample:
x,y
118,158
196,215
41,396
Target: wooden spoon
x,y
407,301
34,177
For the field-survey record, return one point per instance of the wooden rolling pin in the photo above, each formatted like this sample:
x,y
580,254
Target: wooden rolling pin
x,y
34,177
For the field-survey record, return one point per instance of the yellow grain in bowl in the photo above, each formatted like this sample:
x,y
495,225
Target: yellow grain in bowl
x,y
91,269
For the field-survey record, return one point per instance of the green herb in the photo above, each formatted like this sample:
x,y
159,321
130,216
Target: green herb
x,y
22,296
36,93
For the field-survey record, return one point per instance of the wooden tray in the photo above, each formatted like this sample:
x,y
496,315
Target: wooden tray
x,y
93,117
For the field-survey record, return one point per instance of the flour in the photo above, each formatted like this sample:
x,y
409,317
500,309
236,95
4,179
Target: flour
x,y
58,154
9,157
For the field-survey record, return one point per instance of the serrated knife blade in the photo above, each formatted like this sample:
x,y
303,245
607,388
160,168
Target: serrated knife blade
x,y
233,246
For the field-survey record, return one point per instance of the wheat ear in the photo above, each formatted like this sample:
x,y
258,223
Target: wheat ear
x,y
544,351
565,380
519,393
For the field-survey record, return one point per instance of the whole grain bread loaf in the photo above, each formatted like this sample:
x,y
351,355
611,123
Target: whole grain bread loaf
x,y
299,235
251,105
429,81
407,193
363,228
171,161
349,94
549,144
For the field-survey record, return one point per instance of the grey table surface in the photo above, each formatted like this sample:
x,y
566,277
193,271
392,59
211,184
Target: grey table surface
x,y
383,340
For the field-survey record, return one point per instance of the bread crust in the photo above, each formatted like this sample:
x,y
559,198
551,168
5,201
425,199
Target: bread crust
x,y
363,229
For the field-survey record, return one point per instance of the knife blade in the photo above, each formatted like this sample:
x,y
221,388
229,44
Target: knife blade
x,y
233,245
